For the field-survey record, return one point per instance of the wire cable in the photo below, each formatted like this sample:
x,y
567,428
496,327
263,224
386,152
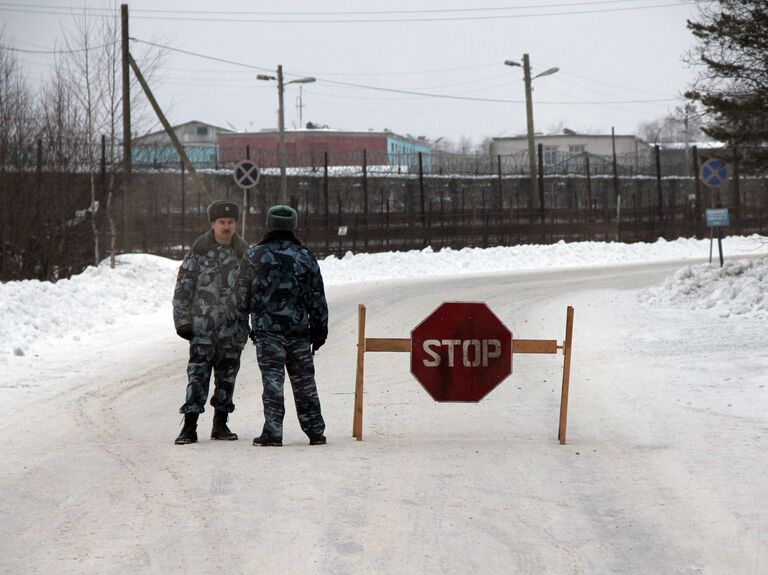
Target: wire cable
x,y
396,90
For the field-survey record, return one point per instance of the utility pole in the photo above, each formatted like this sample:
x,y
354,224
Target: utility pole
x,y
526,65
282,198
529,116
127,160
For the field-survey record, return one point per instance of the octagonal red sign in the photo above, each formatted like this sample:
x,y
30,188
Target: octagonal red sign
x,y
460,352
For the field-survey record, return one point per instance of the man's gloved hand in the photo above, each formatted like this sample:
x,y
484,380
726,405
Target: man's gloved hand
x,y
317,338
185,332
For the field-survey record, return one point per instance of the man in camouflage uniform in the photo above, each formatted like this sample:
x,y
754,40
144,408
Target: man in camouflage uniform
x,y
280,284
202,313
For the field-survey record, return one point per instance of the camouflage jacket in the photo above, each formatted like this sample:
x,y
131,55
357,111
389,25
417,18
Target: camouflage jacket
x,y
203,296
280,284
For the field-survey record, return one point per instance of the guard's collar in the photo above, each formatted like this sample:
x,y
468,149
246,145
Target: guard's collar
x,y
207,242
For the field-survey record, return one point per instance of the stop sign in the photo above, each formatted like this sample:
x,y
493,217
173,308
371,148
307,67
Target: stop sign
x,y
460,352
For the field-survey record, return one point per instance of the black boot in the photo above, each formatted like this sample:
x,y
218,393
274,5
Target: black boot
x,y
189,431
317,439
265,441
220,429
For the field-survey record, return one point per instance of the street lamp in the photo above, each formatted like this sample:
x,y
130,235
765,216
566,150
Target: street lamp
x,y
283,197
526,65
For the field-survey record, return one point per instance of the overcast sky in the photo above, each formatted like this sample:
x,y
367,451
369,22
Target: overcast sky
x,y
621,62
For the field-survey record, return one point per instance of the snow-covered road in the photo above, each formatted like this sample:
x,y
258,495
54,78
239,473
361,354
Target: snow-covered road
x,y
663,471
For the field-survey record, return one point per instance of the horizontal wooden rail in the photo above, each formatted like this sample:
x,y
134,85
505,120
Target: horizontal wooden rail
x,y
534,346
403,344
388,344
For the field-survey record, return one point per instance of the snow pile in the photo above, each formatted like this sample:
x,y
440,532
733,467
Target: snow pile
x,y
447,262
102,303
739,288
37,314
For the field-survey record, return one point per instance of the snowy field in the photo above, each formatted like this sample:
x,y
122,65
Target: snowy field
x,y
664,470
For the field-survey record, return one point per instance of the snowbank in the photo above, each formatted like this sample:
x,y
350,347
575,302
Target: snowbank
x,y
739,288
106,303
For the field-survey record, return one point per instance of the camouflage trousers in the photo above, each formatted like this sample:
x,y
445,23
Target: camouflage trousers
x,y
225,363
276,354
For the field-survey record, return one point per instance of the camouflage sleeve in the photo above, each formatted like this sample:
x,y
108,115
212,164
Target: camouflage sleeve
x,y
242,289
318,307
184,292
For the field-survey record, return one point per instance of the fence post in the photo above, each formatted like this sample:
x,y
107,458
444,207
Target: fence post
x,y
421,190
542,207
39,166
696,182
659,201
590,206
501,196
325,198
104,165
365,198
184,209
736,200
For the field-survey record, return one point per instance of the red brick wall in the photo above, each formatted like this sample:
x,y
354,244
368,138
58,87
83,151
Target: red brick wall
x,y
304,148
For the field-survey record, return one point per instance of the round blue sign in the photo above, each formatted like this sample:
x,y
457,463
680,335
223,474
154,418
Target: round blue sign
x,y
713,173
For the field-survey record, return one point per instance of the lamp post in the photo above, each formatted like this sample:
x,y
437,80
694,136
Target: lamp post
x,y
283,197
526,65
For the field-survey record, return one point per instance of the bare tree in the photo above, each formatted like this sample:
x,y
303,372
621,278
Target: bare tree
x,y
83,71
17,128
683,124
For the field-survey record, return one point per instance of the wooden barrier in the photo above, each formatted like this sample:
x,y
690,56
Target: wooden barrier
x,y
519,346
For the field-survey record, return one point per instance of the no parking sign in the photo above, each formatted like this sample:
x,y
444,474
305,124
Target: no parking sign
x,y
246,174
714,173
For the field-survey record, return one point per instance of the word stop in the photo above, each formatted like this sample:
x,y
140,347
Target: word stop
x,y
472,352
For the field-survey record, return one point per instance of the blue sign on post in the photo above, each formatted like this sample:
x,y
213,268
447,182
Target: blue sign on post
x,y
713,173
717,218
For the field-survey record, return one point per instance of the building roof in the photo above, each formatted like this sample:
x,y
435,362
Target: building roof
x,y
552,136
162,131
328,132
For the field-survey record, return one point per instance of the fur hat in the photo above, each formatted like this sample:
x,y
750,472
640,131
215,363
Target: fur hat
x,y
281,218
222,209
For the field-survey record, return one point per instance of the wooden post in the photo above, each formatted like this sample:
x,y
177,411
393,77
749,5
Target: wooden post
x,y
566,375
357,422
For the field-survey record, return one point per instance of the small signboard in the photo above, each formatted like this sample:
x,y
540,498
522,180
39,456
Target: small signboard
x,y
342,230
246,174
713,173
717,218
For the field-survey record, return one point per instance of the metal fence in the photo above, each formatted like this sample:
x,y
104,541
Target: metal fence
x,y
436,162
47,214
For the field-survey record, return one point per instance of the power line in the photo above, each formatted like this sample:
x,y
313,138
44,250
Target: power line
x,y
77,51
207,16
400,91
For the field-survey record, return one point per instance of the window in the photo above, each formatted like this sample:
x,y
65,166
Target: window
x,y
550,155
577,148
202,130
